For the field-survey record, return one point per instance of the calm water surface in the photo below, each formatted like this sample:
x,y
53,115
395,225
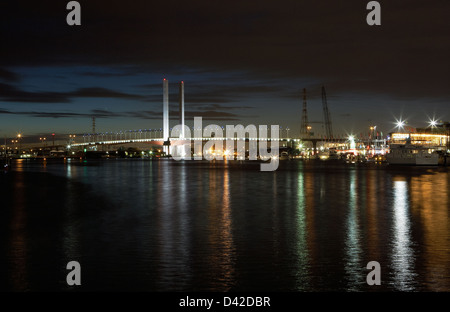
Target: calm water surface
x,y
217,226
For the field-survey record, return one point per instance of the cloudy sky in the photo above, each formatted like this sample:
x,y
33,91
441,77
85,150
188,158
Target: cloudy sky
x,y
241,61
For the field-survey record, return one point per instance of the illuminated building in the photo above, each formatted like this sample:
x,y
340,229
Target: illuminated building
x,y
435,136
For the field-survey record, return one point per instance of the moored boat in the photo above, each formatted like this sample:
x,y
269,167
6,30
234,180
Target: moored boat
x,y
408,154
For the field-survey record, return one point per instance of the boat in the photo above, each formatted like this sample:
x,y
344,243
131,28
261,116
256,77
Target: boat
x,y
331,154
408,154
284,155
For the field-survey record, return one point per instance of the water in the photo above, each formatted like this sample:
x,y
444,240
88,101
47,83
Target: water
x,y
224,226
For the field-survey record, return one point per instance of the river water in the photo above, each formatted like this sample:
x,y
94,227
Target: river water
x,y
164,225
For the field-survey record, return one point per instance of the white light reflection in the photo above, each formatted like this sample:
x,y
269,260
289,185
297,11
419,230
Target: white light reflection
x,y
402,256
302,276
168,235
71,229
227,263
69,169
184,221
352,241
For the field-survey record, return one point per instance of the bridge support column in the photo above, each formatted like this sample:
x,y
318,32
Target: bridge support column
x,y
181,108
166,114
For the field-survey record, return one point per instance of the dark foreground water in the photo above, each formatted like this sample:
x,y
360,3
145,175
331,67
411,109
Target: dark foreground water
x,y
215,226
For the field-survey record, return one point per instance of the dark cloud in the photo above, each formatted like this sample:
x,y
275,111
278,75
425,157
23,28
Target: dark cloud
x,y
192,99
215,115
107,74
229,93
10,93
174,115
8,76
42,114
149,115
51,114
212,94
5,112
102,93
234,56
325,40
101,113
151,86
219,107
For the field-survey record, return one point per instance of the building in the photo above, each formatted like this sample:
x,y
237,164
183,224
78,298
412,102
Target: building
x,y
434,136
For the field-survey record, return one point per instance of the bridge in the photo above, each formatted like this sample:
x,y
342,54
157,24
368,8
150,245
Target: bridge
x,y
174,141
161,137
160,141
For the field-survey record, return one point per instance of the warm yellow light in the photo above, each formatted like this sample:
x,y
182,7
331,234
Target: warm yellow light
x,y
429,135
415,135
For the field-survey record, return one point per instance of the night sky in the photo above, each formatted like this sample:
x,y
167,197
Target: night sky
x,y
242,62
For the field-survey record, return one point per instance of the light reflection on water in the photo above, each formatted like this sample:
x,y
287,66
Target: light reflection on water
x,y
165,225
402,253
18,243
302,282
353,236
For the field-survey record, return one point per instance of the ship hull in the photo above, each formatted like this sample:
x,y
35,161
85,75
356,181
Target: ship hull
x,y
420,159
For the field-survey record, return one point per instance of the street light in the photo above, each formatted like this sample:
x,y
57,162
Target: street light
x,y
19,136
351,138
433,123
400,124
14,144
72,138
372,132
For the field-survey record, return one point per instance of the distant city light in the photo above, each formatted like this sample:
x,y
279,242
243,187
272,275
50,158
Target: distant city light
x,y
400,124
433,123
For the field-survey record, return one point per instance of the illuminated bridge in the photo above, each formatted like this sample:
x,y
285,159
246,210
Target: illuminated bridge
x,y
162,136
